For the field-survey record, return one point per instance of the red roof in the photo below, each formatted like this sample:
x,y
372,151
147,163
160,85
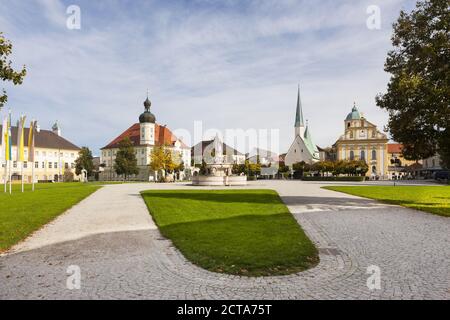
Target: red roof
x,y
395,148
163,136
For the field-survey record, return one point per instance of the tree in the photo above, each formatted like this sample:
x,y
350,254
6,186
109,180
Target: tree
x,y
418,93
7,73
126,163
84,161
162,159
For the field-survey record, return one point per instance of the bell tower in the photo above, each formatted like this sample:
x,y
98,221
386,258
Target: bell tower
x,y
147,124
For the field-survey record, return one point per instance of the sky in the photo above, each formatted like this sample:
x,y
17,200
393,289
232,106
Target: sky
x,y
230,64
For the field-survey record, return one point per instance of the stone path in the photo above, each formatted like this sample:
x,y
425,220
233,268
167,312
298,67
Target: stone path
x,y
112,239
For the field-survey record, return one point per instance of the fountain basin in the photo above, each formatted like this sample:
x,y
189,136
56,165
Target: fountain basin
x,y
219,180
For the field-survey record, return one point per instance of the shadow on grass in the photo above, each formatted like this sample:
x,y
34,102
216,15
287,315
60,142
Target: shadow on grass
x,y
219,196
245,245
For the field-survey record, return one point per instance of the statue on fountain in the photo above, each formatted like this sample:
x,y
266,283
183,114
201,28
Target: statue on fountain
x,y
218,169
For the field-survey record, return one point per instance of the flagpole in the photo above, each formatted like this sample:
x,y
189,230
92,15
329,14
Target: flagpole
x,y
21,173
32,178
6,174
10,177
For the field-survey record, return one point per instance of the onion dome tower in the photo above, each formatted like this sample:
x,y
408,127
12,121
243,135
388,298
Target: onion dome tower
x,y
147,123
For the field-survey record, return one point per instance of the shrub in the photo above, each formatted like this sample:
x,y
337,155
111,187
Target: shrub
x,y
350,178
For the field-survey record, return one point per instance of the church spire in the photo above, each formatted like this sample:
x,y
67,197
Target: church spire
x,y
299,113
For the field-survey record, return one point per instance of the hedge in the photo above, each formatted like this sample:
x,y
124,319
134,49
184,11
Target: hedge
x,y
351,178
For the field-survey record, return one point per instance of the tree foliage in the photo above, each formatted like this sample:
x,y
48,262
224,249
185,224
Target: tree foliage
x,y
126,163
84,161
163,158
418,93
342,167
7,73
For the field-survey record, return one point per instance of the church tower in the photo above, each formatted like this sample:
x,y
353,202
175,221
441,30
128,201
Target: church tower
x,y
147,124
299,123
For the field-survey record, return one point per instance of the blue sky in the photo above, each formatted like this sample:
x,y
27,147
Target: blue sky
x,y
230,64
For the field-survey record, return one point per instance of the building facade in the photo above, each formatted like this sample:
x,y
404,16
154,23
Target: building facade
x,y
144,136
303,147
200,151
54,155
363,141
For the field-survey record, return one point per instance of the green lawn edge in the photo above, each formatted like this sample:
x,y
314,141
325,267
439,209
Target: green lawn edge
x,y
232,234
430,199
22,214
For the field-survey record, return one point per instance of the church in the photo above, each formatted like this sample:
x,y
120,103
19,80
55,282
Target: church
x,y
144,136
303,147
363,141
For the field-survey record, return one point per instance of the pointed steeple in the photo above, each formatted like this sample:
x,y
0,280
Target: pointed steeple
x,y
299,114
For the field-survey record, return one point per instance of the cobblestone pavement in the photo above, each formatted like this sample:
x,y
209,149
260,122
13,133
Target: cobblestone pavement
x,y
121,254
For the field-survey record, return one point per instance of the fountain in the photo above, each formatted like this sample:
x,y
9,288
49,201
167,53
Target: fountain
x,y
218,170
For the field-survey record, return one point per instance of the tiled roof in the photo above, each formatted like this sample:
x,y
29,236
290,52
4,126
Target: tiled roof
x,y
163,136
226,148
43,139
394,148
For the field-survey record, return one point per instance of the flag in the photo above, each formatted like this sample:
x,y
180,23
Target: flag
x,y
9,152
20,139
31,142
7,138
4,139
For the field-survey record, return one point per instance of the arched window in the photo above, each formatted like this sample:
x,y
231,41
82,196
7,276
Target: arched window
x,y
363,155
352,155
374,154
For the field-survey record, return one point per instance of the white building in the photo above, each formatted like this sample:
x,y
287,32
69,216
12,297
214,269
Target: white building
x,y
303,147
144,136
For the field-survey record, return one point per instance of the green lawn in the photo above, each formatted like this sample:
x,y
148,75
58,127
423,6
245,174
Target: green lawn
x,y
23,213
241,232
433,199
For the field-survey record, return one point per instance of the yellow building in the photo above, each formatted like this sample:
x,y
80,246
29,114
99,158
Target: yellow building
x,y
363,141
53,156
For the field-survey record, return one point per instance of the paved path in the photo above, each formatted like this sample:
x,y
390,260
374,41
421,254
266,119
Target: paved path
x,y
121,254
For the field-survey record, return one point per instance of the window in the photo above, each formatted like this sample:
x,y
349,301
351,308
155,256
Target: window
x,y
44,153
374,133
15,164
49,165
37,153
43,165
363,155
25,164
72,165
56,165
66,165
352,155
374,154
348,125
36,165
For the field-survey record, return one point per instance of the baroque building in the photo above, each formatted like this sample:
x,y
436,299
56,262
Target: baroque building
x,y
144,136
363,141
303,147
